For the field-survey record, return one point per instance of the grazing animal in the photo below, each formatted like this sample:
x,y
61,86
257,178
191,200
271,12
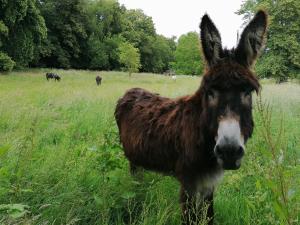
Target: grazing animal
x,y
52,76
98,80
49,76
56,77
174,77
196,137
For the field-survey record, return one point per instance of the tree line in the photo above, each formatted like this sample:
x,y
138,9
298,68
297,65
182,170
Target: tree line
x,y
82,34
104,35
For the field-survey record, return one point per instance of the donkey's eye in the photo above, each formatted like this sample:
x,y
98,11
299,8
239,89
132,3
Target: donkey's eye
x,y
246,97
210,94
247,93
212,97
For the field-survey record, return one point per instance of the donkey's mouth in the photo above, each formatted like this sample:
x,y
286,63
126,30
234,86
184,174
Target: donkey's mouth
x,y
230,164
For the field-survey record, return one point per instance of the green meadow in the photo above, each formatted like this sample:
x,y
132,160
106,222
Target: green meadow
x,y
61,161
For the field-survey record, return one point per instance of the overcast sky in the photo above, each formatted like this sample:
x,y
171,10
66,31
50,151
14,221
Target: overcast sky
x,y
177,17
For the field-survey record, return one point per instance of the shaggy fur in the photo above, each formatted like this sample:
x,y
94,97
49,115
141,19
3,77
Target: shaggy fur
x,y
52,76
177,136
57,77
98,80
49,76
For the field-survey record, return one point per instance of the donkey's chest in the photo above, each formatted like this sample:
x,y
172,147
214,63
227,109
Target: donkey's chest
x,y
206,184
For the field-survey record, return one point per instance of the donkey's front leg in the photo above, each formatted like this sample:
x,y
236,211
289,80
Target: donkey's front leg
x,y
208,201
188,204
197,205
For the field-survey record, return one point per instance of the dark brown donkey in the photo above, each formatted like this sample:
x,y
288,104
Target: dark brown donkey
x,y
197,137
98,80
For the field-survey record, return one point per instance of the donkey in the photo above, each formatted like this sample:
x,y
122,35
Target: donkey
x,y
196,137
49,76
98,80
56,77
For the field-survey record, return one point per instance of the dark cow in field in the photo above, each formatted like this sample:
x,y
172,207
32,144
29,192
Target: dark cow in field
x,y
196,137
98,80
54,76
49,76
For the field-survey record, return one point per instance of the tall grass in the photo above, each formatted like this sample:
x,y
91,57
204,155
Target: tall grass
x,y
280,175
61,161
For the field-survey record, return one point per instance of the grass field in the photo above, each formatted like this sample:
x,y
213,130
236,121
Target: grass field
x,y
61,161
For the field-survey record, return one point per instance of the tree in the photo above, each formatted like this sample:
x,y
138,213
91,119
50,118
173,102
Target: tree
x,y
105,24
281,58
130,57
6,63
187,55
22,28
139,30
163,53
80,34
67,25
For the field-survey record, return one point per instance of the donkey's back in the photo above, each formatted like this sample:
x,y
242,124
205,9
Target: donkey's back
x,y
147,124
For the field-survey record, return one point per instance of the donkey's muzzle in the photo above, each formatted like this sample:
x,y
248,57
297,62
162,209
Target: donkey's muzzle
x,y
229,156
229,148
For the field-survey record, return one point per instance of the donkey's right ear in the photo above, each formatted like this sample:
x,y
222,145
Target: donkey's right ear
x,y
211,41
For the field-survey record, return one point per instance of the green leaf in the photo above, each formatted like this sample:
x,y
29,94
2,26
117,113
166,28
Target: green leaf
x,y
279,211
128,195
14,210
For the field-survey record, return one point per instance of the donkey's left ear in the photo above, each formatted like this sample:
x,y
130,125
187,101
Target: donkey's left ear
x,y
211,41
252,40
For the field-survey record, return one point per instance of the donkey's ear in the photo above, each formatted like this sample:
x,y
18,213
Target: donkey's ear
x,y
211,41
252,40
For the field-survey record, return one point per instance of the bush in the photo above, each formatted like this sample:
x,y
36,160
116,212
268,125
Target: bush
x,y
6,63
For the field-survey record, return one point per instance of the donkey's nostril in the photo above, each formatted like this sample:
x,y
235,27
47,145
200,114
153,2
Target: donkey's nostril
x,y
240,151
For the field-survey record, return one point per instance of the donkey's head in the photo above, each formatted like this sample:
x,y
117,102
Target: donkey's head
x,y
227,88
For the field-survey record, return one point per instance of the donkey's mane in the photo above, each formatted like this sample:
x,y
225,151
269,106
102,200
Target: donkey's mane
x,y
228,74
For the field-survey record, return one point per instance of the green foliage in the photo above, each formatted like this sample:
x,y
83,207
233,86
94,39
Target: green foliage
x,y
66,22
129,57
163,50
3,31
156,51
82,34
79,34
105,26
14,211
6,63
281,58
187,55
25,29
